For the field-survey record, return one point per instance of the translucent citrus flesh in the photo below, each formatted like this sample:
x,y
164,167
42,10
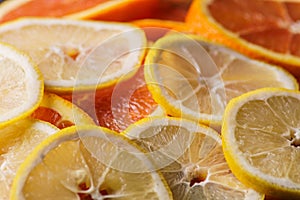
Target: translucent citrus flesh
x,y
270,24
90,166
17,141
118,106
21,85
60,112
196,79
190,157
66,60
261,138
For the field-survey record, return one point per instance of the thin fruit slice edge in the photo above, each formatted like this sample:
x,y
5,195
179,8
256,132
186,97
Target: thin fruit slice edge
x,y
109,52
268,122
102,149
22,85
200,22
17,141
117,10
190,157
60,112
197,63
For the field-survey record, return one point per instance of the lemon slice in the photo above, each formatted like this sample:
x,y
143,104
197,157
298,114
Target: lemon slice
x,y
261,141
16,142
195,79
21,85
190,158
88,162
74,53
60,112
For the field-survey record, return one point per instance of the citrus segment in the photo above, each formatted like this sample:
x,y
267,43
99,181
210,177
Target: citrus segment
x,y
17,141
120,105
266,30
261,141
195,79
190,158
174,10
21,85
60,112
77,53
88,163
155,28
119,10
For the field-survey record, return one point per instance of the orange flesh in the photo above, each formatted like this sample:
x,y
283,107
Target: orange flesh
x,y
55,8
172,10
118,106
51,116
264,23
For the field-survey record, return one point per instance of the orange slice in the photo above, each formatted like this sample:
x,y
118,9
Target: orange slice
x,y
156,28
60,112
262,29
78,53
117,10
174,10
118,106
21,85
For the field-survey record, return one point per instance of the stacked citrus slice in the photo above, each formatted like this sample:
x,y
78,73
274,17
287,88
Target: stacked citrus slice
x,y
261,141
190,158
60,112
266,30
195,79
117,10
88,163
17,141
21,85
74,53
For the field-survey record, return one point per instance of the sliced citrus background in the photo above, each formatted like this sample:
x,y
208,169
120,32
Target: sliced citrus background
x,y
190,158
60,112
266,30
78,53
120,105
116,10
192,78
88,163
21,85
17,141
261,141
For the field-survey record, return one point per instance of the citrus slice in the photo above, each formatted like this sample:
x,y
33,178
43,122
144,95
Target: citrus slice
x,y
88,162
190,158
17,141
21,85
195,79
78,53
117,10
156,28
267,30
261,141
120,105
60,112
174,10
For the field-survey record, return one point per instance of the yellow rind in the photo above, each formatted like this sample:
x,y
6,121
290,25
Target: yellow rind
x,y
40,80
238,169
69,133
